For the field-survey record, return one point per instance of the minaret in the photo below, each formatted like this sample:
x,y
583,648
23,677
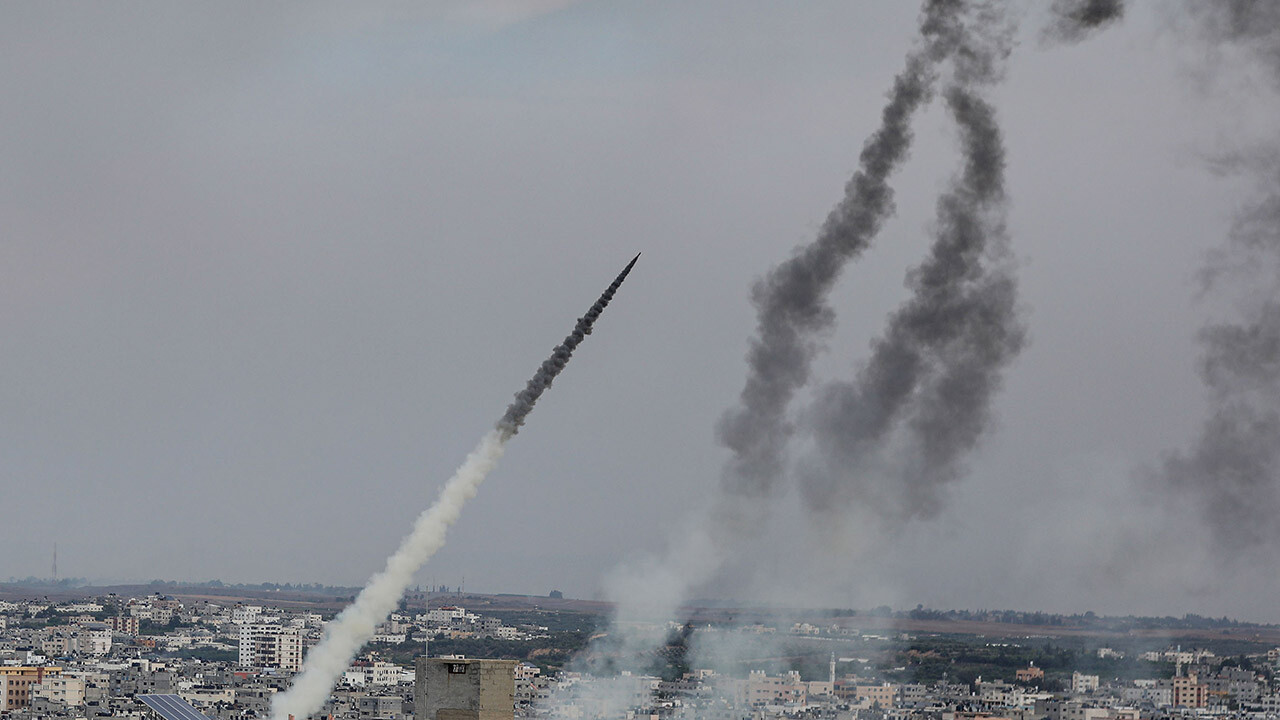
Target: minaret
x,y
55,563
831,672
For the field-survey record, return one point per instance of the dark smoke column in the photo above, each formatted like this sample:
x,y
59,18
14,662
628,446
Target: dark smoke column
x,y
1073,20
525,399
353,627
933,373
793,312
791,301
1230,475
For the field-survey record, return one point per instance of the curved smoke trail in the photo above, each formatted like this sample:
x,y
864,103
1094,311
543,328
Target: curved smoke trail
x,y
792,314
935,369
353,627
791,301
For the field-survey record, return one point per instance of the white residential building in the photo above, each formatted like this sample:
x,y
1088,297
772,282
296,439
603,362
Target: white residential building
x,y
269,645
140,611
781,689
84,607
62,689
384,673
375,673
1081,683
246,614
94,639
445,615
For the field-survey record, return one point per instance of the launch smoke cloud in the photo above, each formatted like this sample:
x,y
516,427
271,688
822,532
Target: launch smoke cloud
x,y
965,281
355,625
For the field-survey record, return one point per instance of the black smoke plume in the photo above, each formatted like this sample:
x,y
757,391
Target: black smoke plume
x,y
1253,25
793,312
525,399
1074,20
1231,474
791,301
1232,471
933,372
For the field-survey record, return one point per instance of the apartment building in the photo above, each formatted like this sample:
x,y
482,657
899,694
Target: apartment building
x,y
16,682
267,645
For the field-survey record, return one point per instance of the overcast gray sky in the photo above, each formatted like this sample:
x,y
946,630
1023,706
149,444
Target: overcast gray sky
x,y
267,272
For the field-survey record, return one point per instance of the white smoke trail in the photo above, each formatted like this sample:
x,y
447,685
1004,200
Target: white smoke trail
x,y
353,627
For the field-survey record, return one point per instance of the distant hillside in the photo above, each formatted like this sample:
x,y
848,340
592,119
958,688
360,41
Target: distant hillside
x,y
993,623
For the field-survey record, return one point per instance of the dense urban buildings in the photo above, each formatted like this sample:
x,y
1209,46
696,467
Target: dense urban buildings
x,y
82,660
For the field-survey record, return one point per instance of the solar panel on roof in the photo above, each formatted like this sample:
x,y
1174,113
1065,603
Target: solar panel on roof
x,y
172,707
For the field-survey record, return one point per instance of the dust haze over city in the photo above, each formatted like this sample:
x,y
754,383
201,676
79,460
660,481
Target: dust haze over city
x,y
269,271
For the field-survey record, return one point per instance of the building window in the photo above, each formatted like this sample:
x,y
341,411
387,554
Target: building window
x,y
457,668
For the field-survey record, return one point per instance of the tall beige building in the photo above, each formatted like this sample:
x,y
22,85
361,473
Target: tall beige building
x,y
464,689
16,682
